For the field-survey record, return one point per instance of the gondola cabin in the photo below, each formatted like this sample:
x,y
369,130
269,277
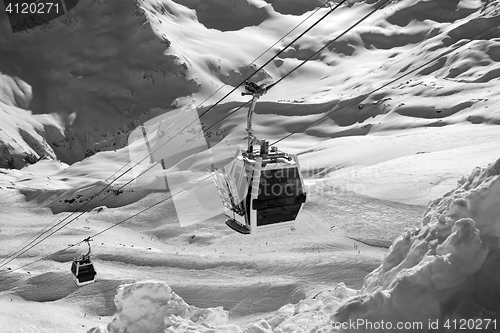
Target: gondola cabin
x,y
261,190
82,268
83,271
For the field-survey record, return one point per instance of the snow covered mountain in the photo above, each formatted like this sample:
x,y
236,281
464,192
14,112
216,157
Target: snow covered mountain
x,y
384,120
95,72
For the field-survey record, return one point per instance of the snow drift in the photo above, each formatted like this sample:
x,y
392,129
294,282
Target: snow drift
x,y
152,306
446,269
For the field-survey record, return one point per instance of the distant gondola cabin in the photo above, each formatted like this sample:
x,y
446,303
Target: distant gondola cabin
x,y
83,271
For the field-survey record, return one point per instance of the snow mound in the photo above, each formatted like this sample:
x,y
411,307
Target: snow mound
x,y
309,315
444,270
152,306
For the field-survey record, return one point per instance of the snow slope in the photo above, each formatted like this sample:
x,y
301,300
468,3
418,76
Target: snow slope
x,y
445,269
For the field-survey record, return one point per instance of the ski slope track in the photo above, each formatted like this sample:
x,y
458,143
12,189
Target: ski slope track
x,y
396,126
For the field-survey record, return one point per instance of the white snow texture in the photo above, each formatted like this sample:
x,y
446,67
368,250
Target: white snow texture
x,y
447,269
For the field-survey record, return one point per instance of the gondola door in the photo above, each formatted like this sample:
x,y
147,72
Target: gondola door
x,y
255,190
